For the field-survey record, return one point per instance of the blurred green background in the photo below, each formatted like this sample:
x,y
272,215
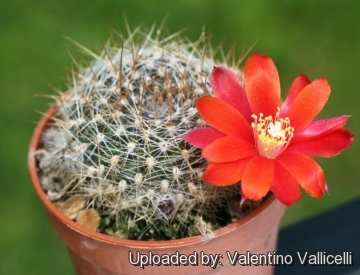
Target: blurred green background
x,y
318,38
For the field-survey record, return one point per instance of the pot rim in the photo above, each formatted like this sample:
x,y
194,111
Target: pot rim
x,y
34,144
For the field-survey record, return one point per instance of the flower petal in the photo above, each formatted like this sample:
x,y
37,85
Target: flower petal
x,y
305,170
262,85
202,137
229,148
299,83
284,186
227,173
320,128
325,146
257,177
224,118
227,87
308,104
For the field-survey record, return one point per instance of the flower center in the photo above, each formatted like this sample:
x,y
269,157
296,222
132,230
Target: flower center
x,y
272,135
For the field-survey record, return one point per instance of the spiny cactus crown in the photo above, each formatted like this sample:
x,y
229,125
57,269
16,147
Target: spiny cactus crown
x,y
116,141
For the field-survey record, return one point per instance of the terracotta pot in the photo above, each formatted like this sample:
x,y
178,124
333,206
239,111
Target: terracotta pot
x,y
97,254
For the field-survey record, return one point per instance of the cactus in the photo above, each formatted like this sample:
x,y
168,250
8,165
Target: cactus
x,y
116,143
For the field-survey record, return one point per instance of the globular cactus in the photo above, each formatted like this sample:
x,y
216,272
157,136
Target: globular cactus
x,y
115,141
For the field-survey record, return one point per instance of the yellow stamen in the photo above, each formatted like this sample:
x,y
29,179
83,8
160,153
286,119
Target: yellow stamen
x,y
272,136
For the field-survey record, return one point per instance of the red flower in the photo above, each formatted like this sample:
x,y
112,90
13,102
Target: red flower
x,y
267,145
